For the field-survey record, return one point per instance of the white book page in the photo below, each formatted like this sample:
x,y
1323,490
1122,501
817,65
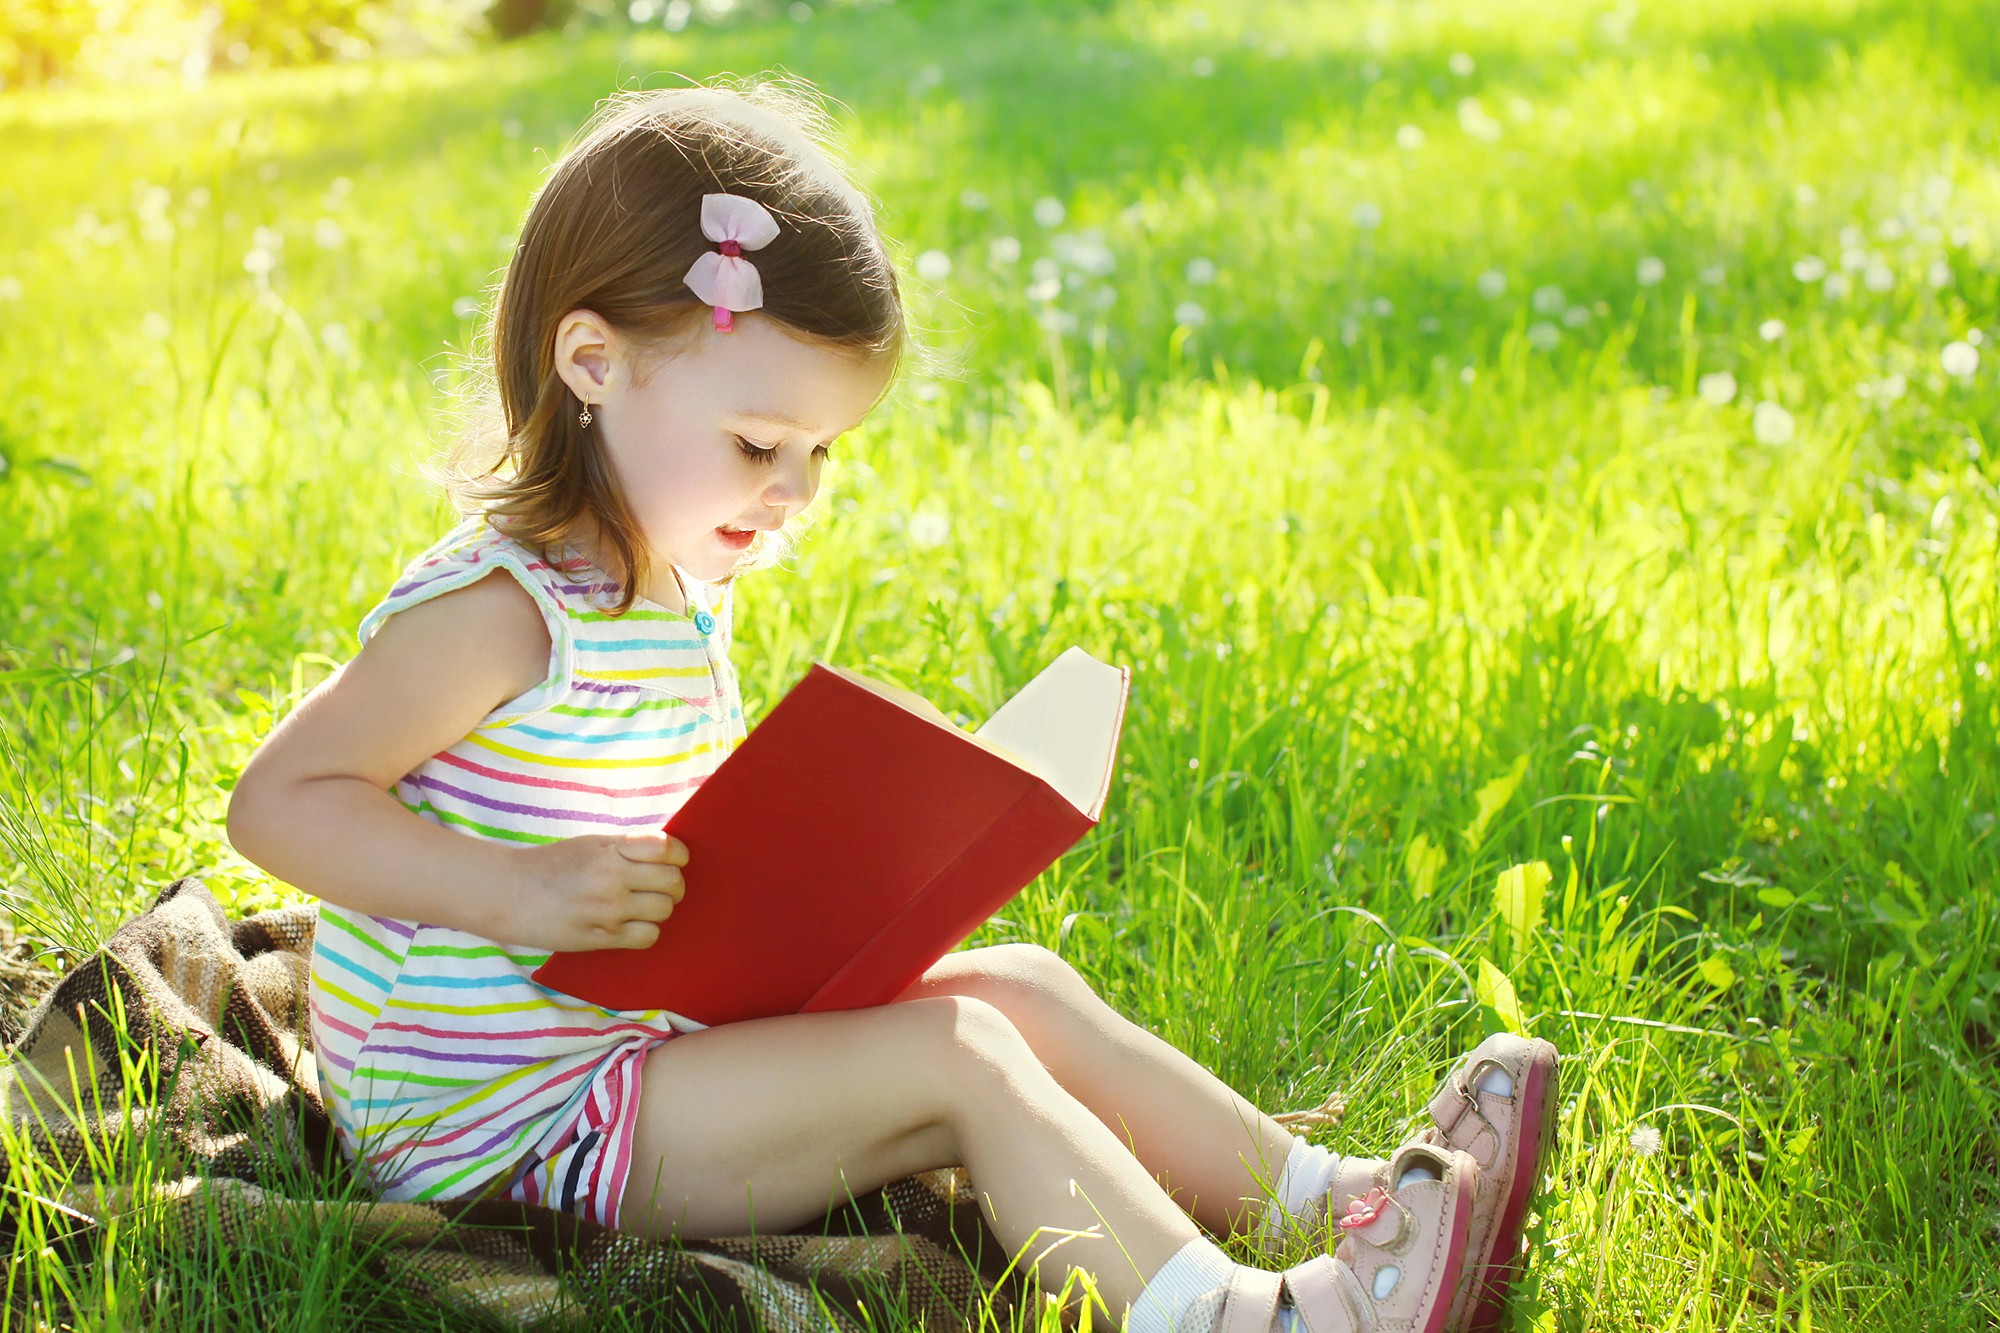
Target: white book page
x,y
1065,724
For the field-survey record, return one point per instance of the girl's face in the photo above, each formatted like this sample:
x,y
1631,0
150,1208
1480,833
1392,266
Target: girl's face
x,y
721,440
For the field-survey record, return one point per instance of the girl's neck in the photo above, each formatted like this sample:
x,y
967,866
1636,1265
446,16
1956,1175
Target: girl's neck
x,y
663,582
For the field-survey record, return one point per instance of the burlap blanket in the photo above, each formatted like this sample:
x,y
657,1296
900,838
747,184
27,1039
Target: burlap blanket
x,y
184,1040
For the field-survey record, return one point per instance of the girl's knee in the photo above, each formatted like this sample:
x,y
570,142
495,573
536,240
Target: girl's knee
x,y
949,1032
1017,979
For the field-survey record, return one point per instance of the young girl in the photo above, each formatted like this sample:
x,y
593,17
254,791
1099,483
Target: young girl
x,y
699,305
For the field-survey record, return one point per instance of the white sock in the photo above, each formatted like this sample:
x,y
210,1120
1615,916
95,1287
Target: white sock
x,y
1307,1175
1196,1270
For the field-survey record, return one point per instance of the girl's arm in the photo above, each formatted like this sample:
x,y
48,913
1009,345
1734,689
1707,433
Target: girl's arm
x,y
313,806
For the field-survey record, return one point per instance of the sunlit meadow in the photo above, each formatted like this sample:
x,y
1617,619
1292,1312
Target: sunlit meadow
x,y
1537,460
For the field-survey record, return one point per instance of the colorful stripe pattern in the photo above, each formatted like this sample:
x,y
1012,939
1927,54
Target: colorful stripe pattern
x,y
448,1072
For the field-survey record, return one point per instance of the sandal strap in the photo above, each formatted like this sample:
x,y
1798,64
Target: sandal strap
x,y
1456,1098
1328,1297
1252,1306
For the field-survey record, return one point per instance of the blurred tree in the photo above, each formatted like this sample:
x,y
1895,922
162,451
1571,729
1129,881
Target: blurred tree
x,y
44,42
509,19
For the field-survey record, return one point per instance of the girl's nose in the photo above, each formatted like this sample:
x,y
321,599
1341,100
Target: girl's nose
x,y
792,488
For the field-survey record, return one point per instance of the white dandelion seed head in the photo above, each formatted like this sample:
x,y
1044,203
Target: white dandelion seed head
x,y
1809,268
1046,270
259,262
1548,300
1961,359
1543,336
1939,275
1189,314
1367,215
1049,211
329,234
1771,330
1409,138
928,528
1837,286
973,199
1712,275
1203,67
335,339
1382,306
11,288
1576,317
1087,252
1645,1140
1772,424
1201,270
268,238
1879,277
1461,64
1652,270
1717,388
1472,118
155,326
1004,250
1492,283
934,266
1044,289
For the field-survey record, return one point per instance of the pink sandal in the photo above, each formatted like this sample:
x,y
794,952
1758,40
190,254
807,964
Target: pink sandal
x,y
1511,1136
1399,1263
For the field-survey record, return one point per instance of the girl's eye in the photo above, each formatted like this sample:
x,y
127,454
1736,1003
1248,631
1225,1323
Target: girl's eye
x,y
757,453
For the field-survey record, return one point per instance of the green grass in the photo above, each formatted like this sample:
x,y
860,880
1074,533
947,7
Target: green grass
x,y
1419,581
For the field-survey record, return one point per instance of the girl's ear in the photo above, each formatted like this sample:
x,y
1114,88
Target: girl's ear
x,y
586,348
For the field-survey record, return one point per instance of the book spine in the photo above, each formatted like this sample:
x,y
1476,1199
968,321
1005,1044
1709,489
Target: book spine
x,y
1024,841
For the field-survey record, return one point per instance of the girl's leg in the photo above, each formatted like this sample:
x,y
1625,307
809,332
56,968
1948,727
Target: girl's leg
x,y
764,1125
1210,1149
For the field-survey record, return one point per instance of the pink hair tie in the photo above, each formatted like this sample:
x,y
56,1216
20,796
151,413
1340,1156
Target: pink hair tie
x,y
723,278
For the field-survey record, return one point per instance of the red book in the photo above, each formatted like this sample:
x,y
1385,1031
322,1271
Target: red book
x,y
856,837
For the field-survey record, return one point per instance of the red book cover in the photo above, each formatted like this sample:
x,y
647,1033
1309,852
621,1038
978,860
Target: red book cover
x,y
855,837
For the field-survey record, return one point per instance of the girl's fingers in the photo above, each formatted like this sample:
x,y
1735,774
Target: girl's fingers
x,y
657,848
652,907
636,935
660,879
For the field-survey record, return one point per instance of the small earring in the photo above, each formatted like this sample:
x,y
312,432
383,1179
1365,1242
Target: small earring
x,y
583,417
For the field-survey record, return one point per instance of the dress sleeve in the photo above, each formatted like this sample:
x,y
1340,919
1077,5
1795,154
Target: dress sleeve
x,y
467,554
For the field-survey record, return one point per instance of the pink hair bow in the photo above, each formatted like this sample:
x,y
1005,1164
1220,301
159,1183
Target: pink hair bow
x,y
723,278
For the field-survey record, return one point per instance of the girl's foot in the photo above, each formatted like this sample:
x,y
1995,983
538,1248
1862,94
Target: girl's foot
x,y
1497,1106
1398,1265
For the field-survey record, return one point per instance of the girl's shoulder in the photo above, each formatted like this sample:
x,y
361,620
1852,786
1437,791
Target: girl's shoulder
x,y
463,556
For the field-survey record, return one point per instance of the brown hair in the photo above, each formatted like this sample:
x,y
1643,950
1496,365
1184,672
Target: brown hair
x,y
614,229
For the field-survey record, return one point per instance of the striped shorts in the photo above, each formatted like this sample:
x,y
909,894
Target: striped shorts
x,y
581,1163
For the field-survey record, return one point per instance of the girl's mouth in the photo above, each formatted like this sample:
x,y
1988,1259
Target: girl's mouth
x,y
737,539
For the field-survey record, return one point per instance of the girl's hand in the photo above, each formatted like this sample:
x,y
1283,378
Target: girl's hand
x,y
599,891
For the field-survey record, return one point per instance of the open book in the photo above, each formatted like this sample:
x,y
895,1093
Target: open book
x,y
855,837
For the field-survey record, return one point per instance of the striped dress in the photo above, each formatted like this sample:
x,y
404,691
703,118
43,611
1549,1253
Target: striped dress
x,y
446,1070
